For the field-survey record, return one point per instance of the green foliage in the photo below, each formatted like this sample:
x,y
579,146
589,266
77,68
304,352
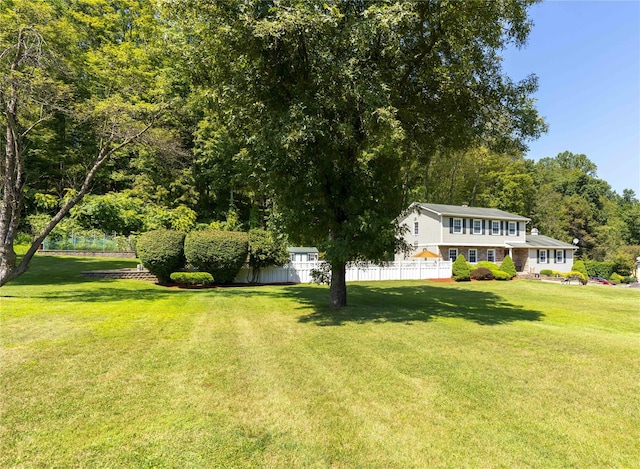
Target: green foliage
x,y
481,273
501,275
161,252
546,272
192,278
598,269
265,249
508,266
576,275
487,265
460,270
221,253
321,274
579,266
616,278
334,111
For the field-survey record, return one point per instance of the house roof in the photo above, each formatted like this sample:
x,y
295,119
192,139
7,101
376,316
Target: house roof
x,y
544,242
469,212
302,250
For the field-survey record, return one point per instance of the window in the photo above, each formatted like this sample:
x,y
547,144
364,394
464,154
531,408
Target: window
x,y
512,228
543,257
473,255
457,225
491,255
415,227
559,257
453,254
495,227
477,226
313,257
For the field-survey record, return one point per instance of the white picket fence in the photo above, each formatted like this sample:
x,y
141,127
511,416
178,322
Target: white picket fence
x,y
300,272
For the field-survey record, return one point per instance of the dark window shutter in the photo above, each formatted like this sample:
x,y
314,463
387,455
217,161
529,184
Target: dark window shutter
x,y
450,225
564,256
501,228
464,226
518,228
548,260
483,225
538,256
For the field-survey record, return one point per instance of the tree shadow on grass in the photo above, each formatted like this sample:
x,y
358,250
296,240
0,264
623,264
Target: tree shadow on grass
x,y
409,304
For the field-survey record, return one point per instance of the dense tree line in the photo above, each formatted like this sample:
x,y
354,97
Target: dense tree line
x,y
319,122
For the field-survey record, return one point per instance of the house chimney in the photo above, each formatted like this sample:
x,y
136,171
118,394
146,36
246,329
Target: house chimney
x,y
534,231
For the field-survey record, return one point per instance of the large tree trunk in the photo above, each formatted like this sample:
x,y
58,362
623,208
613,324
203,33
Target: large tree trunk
x,y
338,288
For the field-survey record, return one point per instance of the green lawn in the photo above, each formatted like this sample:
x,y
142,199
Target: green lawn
x,y
106,373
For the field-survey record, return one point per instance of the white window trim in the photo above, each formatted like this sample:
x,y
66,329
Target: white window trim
x,y
543,256
493,251
454,226
473,228
494,232
453,250
515,228
559,260
475,251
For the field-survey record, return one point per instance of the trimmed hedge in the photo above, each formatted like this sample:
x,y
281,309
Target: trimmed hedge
x,y
546,272
192,278
600,269
481,273
460,271
221,253
575,274
161,252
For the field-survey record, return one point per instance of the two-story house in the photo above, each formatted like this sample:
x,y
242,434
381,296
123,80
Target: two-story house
x,y
481,234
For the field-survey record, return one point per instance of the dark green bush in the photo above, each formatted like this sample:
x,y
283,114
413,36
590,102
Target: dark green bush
x,y
192,278
265,250
600,269
460,271
629,279
546,272
221,253
501,275
481,273
161,252
508,266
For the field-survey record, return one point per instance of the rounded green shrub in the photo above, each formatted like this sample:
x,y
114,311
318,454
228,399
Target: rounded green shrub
x,y
221,253
501,275
487,265
192,278
508,266
161,252
546,272
579,266
481,273
460,270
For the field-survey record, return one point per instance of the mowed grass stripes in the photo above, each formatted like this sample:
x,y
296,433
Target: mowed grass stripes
x,y
105,373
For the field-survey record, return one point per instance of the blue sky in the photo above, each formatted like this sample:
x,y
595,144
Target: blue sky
x,y
586,55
